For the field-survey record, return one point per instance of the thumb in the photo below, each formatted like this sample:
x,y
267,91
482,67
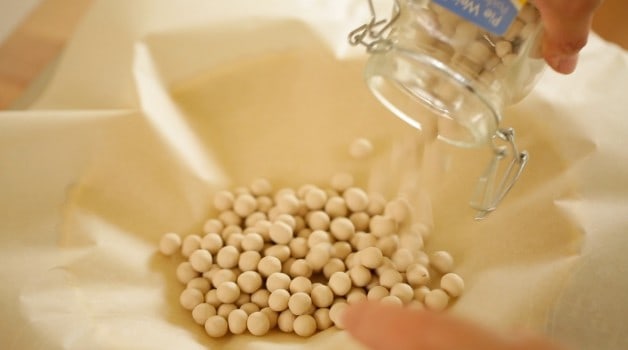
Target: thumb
x,y
566,24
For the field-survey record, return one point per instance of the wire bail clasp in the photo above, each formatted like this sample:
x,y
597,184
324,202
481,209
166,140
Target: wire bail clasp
x,y
374,34
490,191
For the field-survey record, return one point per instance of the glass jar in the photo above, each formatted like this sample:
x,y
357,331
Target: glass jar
x,y
464,72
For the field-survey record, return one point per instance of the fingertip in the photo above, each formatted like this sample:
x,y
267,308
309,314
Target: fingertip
x,y
563,64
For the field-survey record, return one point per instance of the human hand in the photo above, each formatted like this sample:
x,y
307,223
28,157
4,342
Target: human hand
x,y
382,327
567,24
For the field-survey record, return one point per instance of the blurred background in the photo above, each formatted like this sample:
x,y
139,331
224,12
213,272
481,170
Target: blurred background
x,y
34,32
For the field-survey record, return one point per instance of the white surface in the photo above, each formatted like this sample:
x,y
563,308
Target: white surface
x,y
12,12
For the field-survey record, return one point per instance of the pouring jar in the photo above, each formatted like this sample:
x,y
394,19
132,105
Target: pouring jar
x,y
467,60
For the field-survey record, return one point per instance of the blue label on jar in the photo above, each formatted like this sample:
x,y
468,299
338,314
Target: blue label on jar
x,y
494,16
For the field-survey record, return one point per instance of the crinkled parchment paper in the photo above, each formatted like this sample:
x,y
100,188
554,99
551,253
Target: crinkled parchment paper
x,y
157,104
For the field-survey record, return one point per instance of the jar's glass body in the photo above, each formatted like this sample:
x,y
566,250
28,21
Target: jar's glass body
x,y
465,74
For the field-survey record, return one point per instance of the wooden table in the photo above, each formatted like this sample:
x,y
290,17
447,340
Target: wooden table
x,y
39,39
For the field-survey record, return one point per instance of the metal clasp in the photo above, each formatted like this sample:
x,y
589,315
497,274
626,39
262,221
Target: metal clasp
x,y
490,190
374,34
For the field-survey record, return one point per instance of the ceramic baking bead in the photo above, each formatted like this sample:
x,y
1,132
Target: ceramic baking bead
x,y
277,280
248,260
390,277
420,293
360,148
202,312
340,283
318,256
356,199
199,283
381,225
360,275
342,228
190,297
304,325
237,321
224,309
478,51
318,220
223,275
287,265
318,236
201,260
279,251
268,265
388,245
244,205
271,315
417,275
340,250
278,300
261,187
258,323
185,272
211,298
391,300
235,240
352,260
503,47
442,261
249,307
356,295
300,284
227,257
300,267
288,203
321,316
509,59
212,242
228,292
298,247
333,265
264,203
299,303
216,326
252,241
189,244
280,232
371,257
336,313
285,321
336,206
402,258
229,217
249,281
170,243
377,204
213,226
377,293
341,181
436,300
223,200
322,296
403,291
315,199
260,297
288,219
360,221
452,283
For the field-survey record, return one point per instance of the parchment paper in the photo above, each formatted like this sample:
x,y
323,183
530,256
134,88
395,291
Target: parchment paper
x,y
157,104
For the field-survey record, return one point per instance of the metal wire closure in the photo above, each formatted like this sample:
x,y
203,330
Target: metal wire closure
x,y
373,34
489,191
